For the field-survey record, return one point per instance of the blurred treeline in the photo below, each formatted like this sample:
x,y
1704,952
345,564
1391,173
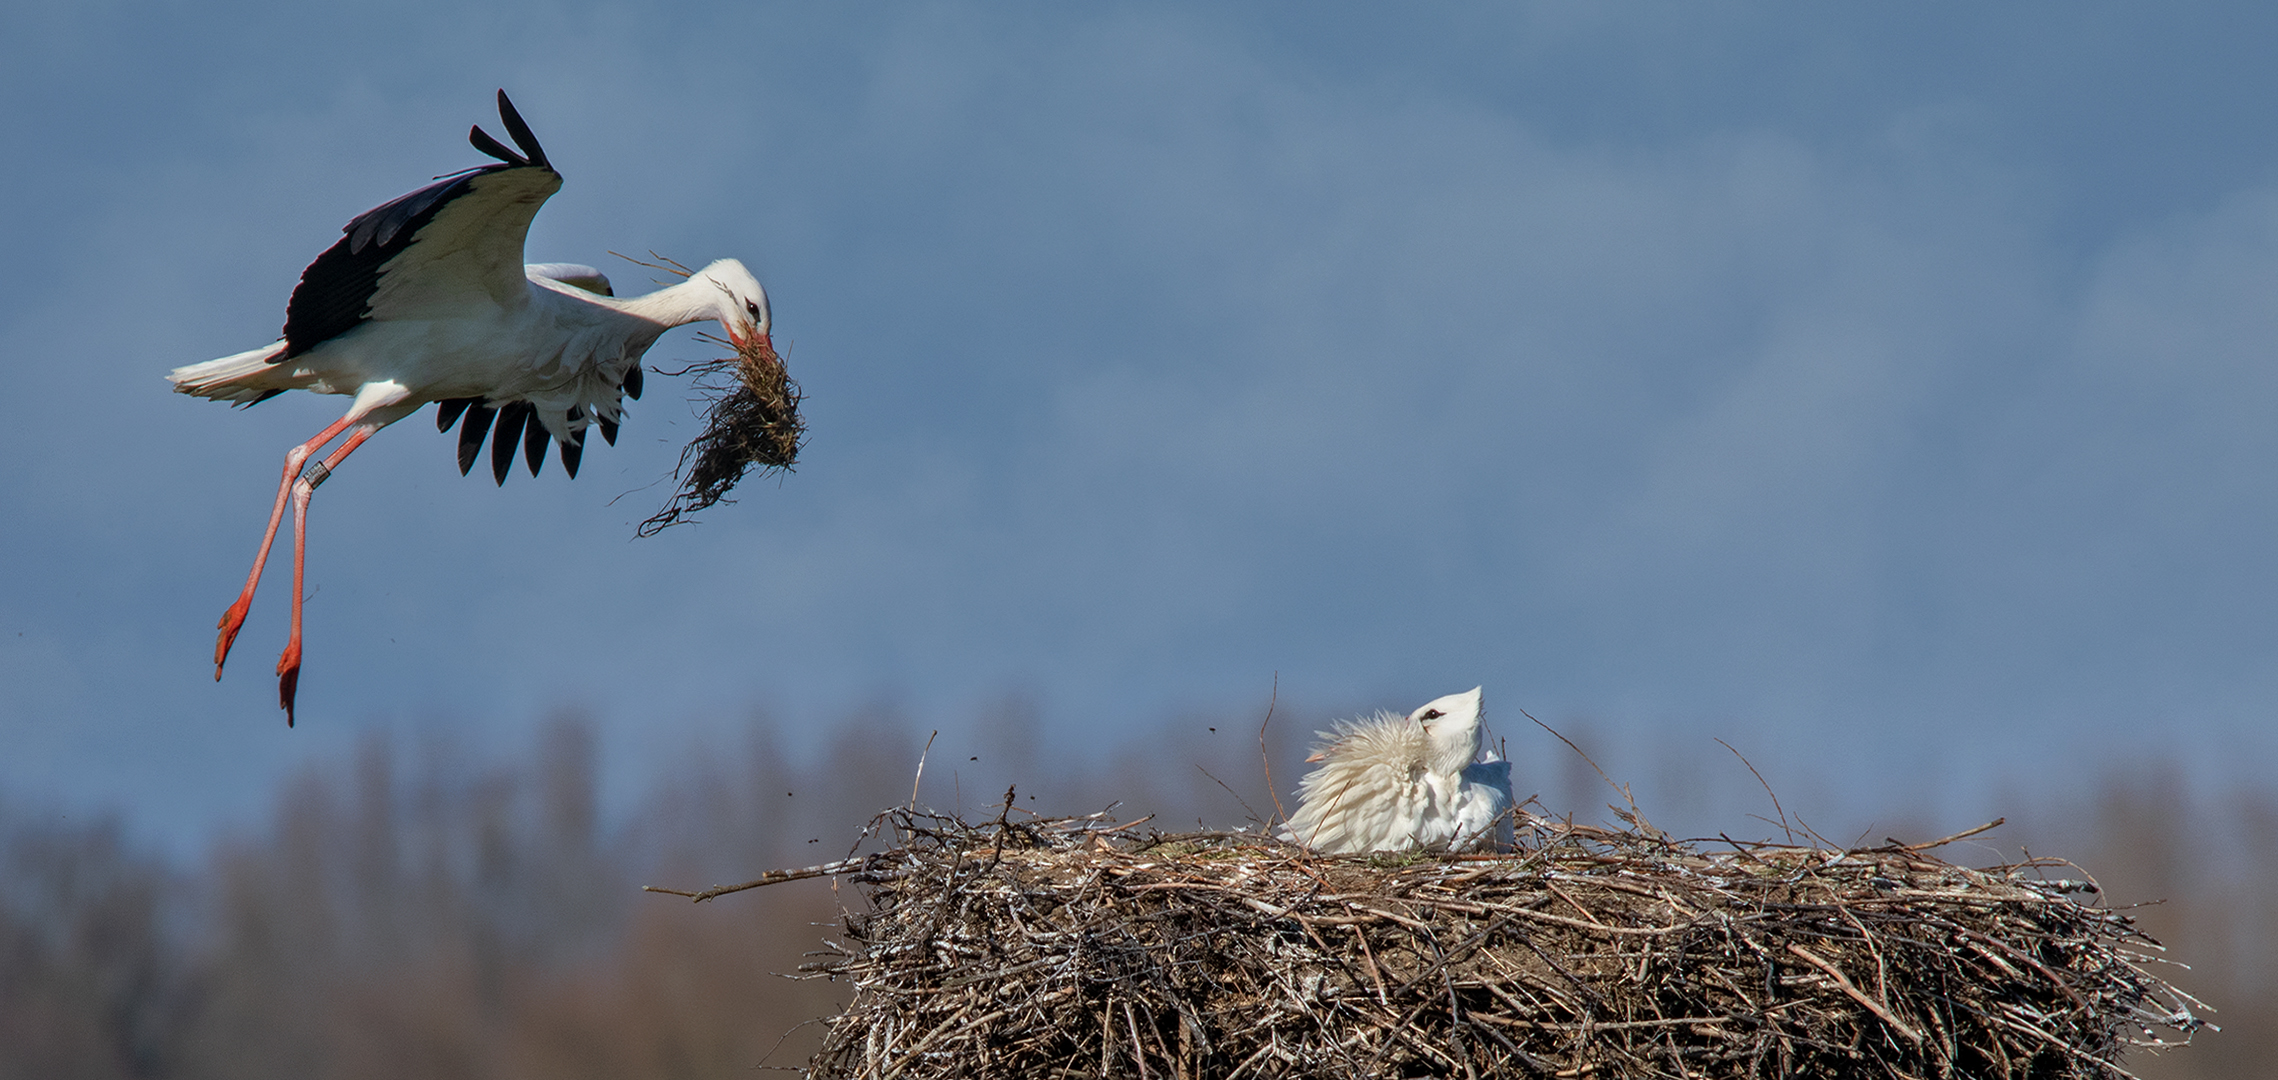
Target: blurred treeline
x,y
411,912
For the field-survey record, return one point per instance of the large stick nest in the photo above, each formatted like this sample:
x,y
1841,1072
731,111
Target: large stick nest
x,y
753,422
1072,947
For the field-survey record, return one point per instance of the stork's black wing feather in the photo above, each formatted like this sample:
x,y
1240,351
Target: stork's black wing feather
x,y
536,154
632,381
471,436
447,411
489,144
335,293
534,440
573,451
511,417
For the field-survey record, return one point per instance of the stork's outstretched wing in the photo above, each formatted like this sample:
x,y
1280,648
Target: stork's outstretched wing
x,y
578,274
438,250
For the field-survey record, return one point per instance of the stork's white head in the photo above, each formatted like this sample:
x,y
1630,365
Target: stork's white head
x,y
742,302
1451,730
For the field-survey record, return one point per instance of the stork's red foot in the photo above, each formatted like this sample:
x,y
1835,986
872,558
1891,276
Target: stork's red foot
x,y
288,679
232,621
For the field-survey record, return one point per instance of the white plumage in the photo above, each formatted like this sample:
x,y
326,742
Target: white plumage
x,y
427,299
1394,783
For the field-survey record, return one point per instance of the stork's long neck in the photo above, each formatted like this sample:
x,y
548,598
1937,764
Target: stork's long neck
x,y
1453,748
693,300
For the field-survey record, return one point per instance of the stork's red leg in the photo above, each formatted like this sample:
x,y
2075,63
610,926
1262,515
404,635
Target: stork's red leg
x,y
289,664
234,619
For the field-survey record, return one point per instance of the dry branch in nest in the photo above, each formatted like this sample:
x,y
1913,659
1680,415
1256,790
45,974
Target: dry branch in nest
x,y
1070,947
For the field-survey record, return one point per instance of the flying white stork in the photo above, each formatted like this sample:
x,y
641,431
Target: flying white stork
x,y
1394,783
426,299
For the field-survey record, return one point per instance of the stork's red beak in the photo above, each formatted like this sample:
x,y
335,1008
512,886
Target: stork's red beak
x,y
740,341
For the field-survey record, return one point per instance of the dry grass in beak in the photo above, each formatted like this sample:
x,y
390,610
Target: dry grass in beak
x,y
754,421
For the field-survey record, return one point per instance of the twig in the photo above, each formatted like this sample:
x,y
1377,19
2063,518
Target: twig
x,y
772,877
1230,791
1873,1006
920,777
1962,835
1267,759
672,266
1775,796
1637,817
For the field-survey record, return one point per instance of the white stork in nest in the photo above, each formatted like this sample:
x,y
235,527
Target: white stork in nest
x,y
1394,783
426,299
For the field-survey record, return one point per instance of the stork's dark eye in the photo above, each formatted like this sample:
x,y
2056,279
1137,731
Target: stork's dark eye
x,y
1432,714
753,307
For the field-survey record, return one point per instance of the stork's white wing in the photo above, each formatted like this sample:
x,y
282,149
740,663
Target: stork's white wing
x,y
470,254
578,274
449,248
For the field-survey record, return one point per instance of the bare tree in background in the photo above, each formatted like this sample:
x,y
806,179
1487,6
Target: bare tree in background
x,y
90,986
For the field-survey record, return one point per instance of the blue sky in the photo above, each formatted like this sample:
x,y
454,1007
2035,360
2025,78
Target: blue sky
x,y
1886,390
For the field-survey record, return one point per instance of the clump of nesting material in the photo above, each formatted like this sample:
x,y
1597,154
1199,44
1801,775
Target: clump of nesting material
x,y
753,422
1071,947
